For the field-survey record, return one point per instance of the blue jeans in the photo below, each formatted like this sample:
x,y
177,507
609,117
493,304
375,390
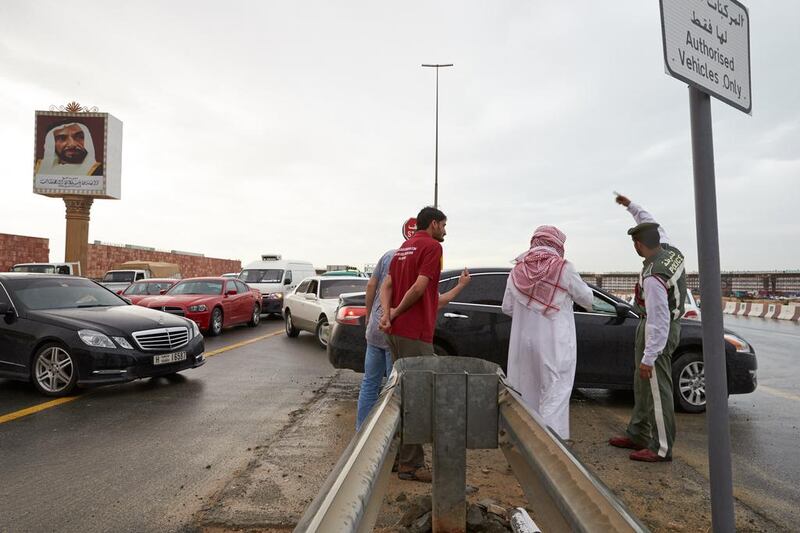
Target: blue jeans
x,y
377,364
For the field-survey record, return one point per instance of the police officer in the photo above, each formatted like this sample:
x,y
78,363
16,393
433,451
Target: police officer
x,y
659,300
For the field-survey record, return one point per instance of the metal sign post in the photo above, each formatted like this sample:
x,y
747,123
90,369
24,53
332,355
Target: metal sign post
x,y
707,45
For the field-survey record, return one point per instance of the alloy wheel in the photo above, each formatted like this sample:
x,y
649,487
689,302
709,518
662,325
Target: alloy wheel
x,y
54,369
692,383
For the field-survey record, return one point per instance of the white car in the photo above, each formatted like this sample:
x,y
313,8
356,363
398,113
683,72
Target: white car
x,y
312,305
690,308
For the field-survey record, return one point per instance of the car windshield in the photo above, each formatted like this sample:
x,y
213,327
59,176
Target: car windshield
x,y
332,288
197,287
151,288
62,293
270,275
125,276
41,269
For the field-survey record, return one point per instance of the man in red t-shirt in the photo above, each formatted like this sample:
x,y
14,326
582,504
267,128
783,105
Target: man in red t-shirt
x,y
411,293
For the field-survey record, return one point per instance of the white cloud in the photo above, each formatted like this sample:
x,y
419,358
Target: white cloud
x,y
307,128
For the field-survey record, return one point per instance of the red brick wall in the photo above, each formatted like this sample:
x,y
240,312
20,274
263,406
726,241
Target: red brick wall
x,y
103,257
20,249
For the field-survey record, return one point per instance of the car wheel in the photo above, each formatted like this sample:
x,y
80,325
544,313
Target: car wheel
x,y
215,324
323,331
689,383
54,370
256,318
291,331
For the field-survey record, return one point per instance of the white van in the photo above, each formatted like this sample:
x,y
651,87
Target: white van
x,y
69,269
275,277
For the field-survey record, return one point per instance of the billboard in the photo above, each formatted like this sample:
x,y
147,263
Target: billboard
x,y
77,154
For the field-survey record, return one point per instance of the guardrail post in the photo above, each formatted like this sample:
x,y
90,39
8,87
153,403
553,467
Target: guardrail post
x,y
450,453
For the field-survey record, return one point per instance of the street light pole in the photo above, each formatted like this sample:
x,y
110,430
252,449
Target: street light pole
x,y
436,160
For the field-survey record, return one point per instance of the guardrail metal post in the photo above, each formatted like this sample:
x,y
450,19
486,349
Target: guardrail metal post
x,y
450,453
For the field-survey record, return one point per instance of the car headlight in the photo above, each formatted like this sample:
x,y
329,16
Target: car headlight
x,y
194,331
739,343
275,296
197,308
95,338
123,343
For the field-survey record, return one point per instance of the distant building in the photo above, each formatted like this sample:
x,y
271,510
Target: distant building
x,y
734,283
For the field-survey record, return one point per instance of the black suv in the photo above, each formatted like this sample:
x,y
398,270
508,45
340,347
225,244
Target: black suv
x,y
473,325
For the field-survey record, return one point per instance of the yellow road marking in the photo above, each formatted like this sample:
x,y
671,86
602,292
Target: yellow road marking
x,y
779,393
35,409
243,343
59,401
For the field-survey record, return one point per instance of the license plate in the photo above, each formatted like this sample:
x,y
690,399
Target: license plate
x,y
169,358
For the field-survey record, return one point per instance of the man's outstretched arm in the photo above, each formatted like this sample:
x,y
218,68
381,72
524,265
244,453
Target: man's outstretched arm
x,y
640,215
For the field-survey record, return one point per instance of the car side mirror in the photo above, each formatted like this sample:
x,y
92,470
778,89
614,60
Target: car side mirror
x,y
287,281
162,291
623,309
230,293
311,296
6,311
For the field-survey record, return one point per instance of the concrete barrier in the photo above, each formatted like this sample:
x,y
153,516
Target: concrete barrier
x,y
767,310
788,312
773,310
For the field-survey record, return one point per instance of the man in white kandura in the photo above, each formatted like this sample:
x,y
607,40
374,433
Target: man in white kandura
x,y
542,351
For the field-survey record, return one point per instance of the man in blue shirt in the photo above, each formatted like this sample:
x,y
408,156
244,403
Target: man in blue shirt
x,y
377,360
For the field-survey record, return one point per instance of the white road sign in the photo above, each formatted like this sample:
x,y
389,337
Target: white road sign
x,y
707,45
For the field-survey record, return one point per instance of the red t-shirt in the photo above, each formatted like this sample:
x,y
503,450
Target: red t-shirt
x,y
421,255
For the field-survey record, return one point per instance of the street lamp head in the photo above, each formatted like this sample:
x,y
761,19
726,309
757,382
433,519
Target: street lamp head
x,y
437,65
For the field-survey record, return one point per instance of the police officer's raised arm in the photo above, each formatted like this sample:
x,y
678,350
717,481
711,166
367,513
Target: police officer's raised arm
x,y
640,215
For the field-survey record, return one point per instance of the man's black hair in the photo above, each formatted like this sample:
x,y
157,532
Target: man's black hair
x,y
649,237
428,215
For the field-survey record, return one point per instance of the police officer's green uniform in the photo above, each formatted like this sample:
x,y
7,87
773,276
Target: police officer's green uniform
x,y
652,423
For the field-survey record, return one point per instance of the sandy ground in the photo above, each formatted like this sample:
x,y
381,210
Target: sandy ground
x,y
271,493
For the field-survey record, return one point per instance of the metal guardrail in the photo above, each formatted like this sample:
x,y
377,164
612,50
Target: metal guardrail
x,y
480,411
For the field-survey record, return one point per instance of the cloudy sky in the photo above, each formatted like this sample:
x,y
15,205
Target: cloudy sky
x,y
307,127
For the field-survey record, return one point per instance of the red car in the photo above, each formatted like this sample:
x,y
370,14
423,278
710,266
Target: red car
x,y
147,287
212,303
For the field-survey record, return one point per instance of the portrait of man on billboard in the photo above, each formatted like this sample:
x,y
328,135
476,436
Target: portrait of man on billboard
x,y
69,150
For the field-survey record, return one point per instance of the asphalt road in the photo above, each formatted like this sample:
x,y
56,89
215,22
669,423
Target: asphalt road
x,y
764,425
147,455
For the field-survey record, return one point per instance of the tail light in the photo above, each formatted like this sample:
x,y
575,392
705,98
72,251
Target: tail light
x,y
691,313
350,314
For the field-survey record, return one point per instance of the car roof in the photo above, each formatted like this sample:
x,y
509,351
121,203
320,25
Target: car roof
x,y
156,280
447,274
333,278
204,278
21,275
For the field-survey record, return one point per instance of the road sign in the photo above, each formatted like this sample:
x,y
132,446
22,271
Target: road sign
x,y
707,45
409,227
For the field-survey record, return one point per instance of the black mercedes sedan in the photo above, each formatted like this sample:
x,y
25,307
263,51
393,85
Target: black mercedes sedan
x,y
473,325
62,332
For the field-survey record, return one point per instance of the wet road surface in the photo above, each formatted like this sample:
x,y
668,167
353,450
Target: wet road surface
x,y
764,425
147,455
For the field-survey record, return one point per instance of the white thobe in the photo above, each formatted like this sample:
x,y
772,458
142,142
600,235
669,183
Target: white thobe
x,y
542,351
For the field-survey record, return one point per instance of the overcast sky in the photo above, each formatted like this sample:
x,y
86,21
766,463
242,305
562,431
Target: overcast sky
x,y
307,127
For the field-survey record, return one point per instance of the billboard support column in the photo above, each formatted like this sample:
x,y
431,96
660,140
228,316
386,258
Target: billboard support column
x,y
77,243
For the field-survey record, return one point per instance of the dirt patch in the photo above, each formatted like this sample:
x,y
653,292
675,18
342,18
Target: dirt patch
x,y
271,494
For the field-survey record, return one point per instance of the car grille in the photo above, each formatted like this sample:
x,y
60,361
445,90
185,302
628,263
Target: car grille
x,y
162,339
172,310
